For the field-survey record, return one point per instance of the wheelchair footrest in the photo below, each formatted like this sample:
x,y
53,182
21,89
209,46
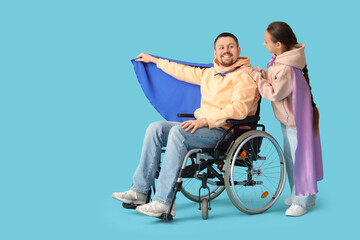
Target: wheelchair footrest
x,y
248,183
130,205
166,217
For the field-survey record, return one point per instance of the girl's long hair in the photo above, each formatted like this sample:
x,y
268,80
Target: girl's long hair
x,y
282,32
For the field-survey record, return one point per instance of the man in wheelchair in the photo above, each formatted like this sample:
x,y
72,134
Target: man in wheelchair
x,y
227,92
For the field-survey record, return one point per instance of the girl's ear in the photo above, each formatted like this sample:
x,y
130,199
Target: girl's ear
x,y
278,45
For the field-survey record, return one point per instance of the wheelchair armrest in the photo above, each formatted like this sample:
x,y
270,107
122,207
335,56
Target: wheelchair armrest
x,y
186,115
248,121
245,121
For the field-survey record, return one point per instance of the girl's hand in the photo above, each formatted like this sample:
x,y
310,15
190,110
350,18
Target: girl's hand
x,y
146,58
194,124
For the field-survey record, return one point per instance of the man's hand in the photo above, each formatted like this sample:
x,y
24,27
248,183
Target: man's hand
x,y
194,124
144,57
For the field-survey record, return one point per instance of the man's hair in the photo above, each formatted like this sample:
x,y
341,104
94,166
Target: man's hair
x,y
226,34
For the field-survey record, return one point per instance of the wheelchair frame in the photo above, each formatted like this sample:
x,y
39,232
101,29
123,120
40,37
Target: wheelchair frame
x,y
241,140
217,155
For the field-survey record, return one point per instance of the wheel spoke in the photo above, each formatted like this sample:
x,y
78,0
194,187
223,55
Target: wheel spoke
x,y
268,173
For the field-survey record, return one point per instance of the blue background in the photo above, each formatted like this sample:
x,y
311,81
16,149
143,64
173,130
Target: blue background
x,y
73,114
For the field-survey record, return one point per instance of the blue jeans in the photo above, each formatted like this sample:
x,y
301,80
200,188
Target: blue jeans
x,y
178,142
290,145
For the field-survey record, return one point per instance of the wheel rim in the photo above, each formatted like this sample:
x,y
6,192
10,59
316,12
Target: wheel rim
x,y
268,173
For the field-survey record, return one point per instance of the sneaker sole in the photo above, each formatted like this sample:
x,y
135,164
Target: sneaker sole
x,y
295,215
157,215
149,214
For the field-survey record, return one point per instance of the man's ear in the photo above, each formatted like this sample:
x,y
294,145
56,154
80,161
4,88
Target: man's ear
x,y
214,53
239,49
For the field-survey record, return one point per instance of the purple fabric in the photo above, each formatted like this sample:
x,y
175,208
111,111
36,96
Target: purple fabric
x,y
271,62
308,167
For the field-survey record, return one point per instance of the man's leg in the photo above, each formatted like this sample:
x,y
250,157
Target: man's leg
x,y
155,138
178,144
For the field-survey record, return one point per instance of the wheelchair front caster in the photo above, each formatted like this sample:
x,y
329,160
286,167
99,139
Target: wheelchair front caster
x,y
205,208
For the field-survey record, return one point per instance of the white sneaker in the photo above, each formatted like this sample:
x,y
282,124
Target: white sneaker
x,y
130,197
295,210
155,209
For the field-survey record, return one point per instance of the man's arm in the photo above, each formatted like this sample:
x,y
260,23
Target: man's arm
x,y
146,58
179,71
194,124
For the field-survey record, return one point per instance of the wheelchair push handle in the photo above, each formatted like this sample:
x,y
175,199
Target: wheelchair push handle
x,y
186,115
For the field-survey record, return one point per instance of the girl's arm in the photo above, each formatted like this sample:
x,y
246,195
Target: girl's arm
x,y
274,84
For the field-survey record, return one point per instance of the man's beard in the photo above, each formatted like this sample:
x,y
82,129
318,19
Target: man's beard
x,y
228,64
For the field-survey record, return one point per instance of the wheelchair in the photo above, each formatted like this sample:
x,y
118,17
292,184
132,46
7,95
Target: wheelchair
x,y
246,162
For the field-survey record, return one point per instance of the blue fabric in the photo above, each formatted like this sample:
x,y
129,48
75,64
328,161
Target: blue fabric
x,y
168,95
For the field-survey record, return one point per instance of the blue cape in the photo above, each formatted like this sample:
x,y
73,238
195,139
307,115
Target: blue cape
x,y
168,95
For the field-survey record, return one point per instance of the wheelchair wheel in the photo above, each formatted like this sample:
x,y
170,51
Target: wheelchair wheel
x,y
205,208
254,172
190,186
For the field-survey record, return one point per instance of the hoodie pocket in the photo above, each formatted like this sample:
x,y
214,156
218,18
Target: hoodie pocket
x,y
286,112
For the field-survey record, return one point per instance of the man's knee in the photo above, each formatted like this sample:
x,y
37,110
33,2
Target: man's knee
x,y
177,132
155,127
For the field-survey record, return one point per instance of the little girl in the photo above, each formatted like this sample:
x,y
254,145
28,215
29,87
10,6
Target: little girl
x,y
286,84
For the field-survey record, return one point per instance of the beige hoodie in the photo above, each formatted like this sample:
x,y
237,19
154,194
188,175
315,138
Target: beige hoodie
x,y
234,95
275,83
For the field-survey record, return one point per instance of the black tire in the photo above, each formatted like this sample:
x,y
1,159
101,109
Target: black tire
x,y
204,208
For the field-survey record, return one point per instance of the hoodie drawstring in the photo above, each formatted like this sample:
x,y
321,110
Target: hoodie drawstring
x,y
224,74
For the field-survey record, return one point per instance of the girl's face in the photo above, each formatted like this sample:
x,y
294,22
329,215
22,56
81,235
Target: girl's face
x,y
269,44
272,47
